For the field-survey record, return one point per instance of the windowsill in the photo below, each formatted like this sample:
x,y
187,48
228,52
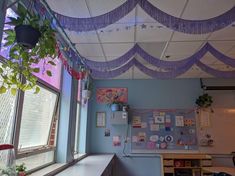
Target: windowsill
x,y
48,169
57,167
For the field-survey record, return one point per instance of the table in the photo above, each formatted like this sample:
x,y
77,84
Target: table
x,y
228,170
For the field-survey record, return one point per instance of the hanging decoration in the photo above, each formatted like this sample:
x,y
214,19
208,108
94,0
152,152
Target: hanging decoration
x,y
174,23
157,62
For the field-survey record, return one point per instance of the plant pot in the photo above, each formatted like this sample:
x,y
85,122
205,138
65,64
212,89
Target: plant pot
x,y
27,36
22,173
115,107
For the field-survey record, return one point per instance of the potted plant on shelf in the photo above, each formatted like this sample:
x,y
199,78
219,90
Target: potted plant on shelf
x,y
204,101
31,41
21,169
117,105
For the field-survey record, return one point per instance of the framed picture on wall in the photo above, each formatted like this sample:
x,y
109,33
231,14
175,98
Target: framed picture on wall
x,y
100,119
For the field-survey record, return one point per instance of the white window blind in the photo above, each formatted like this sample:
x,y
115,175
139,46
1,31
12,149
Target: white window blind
x,y
37,114
76,143
7,112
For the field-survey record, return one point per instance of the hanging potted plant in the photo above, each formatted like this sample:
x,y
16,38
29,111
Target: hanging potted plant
x,y
31,41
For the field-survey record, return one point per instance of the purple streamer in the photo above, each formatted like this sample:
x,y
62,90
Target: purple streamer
x,y
111,74
174,23
214,72
160,75
113,63
189,26
220,56
101,21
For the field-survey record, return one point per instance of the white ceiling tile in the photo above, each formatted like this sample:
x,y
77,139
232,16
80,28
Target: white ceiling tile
x,y
117,49
223,46
224,34
150,32
171,7
231,53
71,8
208,59
126,75
140,75
182,48
153,48
174,57
117,33
221,66
143,17
179,36
99,7
201,9
90,50
194,72
88,37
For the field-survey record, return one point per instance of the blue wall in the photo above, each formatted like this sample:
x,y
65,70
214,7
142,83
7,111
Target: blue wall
x,y
180,93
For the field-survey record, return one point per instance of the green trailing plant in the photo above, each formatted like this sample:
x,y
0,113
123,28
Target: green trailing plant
x,y
204,101
21,168
23,61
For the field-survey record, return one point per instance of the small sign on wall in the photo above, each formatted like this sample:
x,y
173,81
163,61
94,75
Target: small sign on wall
x,y
100,119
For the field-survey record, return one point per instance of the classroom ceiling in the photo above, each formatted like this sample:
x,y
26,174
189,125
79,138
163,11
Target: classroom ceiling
x,y
139,28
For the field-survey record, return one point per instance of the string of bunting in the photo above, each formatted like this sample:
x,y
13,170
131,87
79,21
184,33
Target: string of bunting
x,y
79,75
174,23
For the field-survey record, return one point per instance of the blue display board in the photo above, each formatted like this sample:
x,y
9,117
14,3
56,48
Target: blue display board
x,y
163,129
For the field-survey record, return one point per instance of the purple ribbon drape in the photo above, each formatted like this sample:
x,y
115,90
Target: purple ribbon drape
x,y
174,23
170,65
93,23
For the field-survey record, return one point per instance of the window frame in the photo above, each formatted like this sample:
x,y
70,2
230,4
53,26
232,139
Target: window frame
x,y
38,149
18,116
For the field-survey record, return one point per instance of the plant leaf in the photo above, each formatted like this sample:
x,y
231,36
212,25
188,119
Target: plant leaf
x,y
13,91
37,90
49,73
3,89
52,63
36,70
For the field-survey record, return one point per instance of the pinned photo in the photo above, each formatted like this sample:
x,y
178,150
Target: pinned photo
x,y
107,132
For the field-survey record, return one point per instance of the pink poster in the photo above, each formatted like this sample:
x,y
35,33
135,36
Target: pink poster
x,y
108,95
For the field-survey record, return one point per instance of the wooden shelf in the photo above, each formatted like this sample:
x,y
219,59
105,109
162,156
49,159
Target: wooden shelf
x,y
174,163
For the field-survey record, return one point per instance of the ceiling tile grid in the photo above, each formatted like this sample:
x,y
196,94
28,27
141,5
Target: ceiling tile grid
x,y
138,27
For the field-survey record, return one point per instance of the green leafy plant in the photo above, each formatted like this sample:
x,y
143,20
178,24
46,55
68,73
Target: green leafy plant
x,y
23,62
204,101
21,168
7,171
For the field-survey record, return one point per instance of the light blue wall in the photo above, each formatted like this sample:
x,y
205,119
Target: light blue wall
x,y
180,93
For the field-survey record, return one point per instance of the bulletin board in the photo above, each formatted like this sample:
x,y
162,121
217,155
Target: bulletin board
x,y
163,129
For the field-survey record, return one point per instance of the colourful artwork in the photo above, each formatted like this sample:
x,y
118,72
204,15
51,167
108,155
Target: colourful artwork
x,y
108,95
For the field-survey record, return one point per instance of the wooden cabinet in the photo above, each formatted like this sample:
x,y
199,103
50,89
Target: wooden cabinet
x,y
185,164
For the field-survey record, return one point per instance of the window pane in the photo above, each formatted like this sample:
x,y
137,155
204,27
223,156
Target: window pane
x,y
76,143
34,161
37,114
7,112
53,80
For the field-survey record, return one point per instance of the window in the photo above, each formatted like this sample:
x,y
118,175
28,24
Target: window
x,y
76,144
37,116
7,114
77,127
